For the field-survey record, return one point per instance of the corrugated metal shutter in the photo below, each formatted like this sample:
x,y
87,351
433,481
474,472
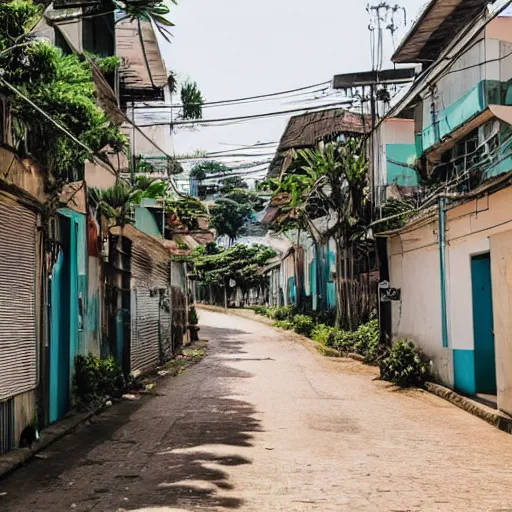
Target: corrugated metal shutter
x,y
151,340
145,350
18,346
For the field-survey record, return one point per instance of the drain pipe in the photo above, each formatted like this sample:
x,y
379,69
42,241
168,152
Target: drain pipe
x,y
442,262
442,268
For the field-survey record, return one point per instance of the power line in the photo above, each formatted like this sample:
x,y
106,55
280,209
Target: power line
x,y
215,104
305,110
260,96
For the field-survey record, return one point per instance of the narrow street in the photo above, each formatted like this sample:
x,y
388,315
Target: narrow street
x,y
266,424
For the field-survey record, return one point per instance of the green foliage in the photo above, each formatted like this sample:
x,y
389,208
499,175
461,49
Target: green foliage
x,y
303,324
115,202
108,64
261,310
192,316
283,312
284,324
187,210
246,197
229,217
192,101
323,334
201,170
232,183
366,341
342,341
151,188
61,85
239,262
405,366
95,379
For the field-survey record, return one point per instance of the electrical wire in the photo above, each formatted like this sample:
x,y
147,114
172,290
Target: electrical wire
x,y
215,104
252,116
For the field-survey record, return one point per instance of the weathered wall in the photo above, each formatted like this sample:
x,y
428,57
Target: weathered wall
x,y
474,228
501,270
22,173
414,267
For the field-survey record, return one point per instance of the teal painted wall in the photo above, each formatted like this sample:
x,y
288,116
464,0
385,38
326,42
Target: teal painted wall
x,y
475,101
145,221
292,292
400,174
464,371
313,280
69,292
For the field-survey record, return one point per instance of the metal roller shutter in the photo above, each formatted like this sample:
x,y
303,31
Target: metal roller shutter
x,y
18,345
145,351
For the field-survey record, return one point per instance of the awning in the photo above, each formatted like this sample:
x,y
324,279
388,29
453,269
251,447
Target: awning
x,y
502,112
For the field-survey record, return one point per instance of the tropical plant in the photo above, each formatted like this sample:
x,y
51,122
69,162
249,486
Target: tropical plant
x,y
405,366
329,183
201,170
115,203
95,379
283,324
283,312
232,183
192,101
303,324
246,197
187,211
229,218
238,263
323,334
59,84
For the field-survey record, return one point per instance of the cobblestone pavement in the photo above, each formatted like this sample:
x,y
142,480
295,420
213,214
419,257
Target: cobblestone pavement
x,y
266,424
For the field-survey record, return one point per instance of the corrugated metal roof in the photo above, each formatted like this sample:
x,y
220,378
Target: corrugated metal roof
x,y
134,72
306,130
438,24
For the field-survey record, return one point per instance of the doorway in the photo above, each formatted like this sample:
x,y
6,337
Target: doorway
x,y
483,325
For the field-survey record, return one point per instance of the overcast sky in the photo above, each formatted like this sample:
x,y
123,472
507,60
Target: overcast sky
x,y
234,48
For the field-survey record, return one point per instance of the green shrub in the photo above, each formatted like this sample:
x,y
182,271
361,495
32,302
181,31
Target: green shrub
x,y
367,341
405,366
283,312
342,340
95,379
323,334
261,310
284,324
303,324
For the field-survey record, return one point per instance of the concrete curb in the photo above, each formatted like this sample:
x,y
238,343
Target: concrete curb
x,y
493,417
15,458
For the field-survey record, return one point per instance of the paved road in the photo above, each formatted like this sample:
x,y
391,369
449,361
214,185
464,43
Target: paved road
x,y
266,424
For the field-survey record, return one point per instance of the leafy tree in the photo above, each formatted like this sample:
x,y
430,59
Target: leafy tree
x,y
201,170
59,84
232,183
192,101
229,217
239,263
246,197
186,211
330,183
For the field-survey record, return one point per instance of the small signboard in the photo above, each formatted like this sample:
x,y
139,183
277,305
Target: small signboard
x,y
388,294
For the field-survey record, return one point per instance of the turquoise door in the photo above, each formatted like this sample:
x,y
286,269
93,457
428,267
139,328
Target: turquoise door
x,y
483,328
64,318
59,337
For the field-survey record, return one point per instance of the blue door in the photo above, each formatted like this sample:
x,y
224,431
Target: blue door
x,y
483,328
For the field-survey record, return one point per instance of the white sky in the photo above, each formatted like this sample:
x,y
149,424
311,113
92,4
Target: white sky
x,y
235,48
